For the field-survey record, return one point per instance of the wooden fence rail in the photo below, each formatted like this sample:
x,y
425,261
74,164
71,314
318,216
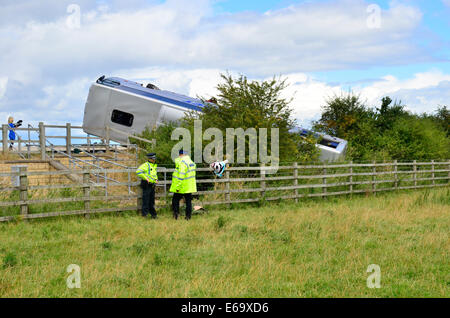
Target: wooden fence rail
x,y
239,185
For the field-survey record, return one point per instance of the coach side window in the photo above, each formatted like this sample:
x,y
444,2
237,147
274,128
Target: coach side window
x,y
122,118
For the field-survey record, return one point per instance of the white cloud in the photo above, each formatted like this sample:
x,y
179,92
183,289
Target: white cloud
x,y
3,84
391,84
305,37
194,82
425,99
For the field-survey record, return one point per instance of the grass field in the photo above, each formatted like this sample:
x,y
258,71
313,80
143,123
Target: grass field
x,y
312,249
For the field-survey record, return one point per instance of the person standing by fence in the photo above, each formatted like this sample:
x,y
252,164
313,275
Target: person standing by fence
x,y
183,184
12,134
147,172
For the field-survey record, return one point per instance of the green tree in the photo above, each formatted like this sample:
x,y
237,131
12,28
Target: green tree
x,y
415,138
347,117
388,114
342,116
442,118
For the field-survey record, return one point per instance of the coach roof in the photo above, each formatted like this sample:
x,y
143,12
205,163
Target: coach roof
x,y
165,96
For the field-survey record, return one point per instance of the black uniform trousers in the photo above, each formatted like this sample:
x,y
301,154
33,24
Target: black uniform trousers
x,y
148,198
176,204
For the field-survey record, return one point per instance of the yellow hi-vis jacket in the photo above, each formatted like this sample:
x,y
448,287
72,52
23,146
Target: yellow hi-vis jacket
x,y
147,171
183,178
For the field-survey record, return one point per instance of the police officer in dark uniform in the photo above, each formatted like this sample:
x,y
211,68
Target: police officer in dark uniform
x,y
147,172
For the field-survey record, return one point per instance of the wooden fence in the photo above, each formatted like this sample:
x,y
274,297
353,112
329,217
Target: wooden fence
x,y
67,134
239,185
40,134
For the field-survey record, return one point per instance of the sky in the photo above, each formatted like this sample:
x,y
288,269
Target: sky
x,y
52,51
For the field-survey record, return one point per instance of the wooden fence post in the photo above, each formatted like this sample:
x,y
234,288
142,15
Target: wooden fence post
x,y
87,192
374,171
263,180
350,179
448,167
88,142
68,139
29,142
415,173
139,199
166,201
129,182
23,188
5,138
42,139
296,181
395,175
227,188
324,182
107,138
19,144
432,173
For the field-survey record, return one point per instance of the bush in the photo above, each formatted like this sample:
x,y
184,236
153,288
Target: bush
x,y
415,138
386,133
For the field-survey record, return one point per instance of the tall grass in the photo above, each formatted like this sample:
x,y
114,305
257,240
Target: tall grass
x,y
317,248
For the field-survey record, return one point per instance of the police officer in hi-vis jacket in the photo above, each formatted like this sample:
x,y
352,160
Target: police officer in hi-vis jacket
x,y
147,172
183,184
